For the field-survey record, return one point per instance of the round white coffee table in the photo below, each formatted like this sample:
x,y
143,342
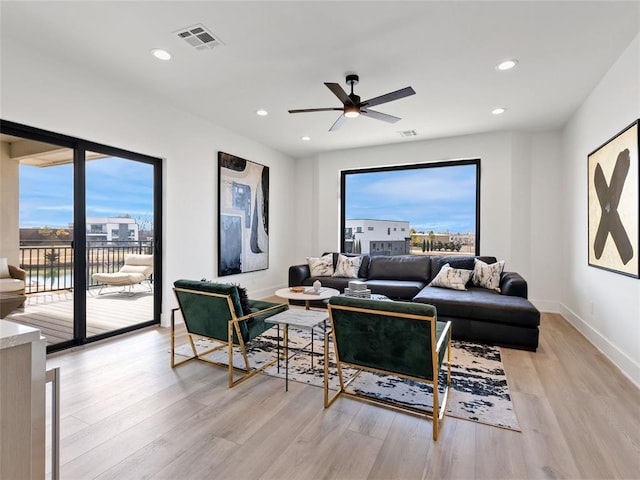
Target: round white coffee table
x,y
307,296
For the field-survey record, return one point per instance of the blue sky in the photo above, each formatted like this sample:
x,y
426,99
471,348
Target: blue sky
x,y
115,187
439,199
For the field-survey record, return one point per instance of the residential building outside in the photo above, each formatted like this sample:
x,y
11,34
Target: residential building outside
x,y
377,237
112,229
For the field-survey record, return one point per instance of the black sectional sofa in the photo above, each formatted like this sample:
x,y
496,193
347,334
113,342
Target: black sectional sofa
x,y
503,318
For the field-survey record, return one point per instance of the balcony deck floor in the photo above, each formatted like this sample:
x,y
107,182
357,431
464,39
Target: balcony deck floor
x,y
52,312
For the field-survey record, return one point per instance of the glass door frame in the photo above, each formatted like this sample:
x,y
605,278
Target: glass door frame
x,y
80,148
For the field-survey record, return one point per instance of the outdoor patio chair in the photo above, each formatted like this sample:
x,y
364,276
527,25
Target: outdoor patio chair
x,y
137,269
402,339
12,283
214,311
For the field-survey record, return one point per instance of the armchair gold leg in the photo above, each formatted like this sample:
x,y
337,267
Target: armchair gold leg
x,y
173,342
328,401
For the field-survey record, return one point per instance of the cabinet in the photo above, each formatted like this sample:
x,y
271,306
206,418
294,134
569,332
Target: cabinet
x,y
22,401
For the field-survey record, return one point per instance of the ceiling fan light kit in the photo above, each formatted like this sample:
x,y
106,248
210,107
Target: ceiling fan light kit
x,y
352,107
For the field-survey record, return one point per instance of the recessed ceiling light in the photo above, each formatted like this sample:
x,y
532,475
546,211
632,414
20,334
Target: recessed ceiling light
x,y
262,112
498,111
507,65
305,138
161,54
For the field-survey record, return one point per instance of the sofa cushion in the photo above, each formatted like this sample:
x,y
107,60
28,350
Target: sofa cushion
x,y
480,304
395,289
347,267
8,285
400,267
320,267
487,275
455,278
119,278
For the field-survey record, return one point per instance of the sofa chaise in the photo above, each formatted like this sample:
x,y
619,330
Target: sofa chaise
x,y
505,317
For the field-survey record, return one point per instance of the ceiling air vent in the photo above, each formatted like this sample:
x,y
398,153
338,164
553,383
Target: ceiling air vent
x,y
199,37
408,133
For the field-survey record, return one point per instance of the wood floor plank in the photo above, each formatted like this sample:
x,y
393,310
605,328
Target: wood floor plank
x,y
547,454
506,462
375,423
105,455
189,450
277,435
406,449
453,455
318,451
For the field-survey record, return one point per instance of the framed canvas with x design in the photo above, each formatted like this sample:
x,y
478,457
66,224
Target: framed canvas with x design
x,y
614,204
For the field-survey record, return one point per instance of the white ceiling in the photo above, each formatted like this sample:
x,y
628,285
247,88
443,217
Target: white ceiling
x,y
276,55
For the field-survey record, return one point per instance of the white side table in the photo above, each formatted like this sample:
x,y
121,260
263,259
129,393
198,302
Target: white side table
x,y
306,296
301,319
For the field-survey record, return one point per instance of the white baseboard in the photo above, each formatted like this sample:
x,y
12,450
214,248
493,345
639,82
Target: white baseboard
x,y
165,319
625,364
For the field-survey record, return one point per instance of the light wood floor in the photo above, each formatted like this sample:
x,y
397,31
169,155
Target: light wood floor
x,y
126,415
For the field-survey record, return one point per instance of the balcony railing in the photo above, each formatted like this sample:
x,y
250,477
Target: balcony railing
x,y
50,267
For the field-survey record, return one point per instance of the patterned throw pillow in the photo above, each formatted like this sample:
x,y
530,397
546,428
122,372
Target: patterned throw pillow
x,y
487,276
321,267
454,278
347,266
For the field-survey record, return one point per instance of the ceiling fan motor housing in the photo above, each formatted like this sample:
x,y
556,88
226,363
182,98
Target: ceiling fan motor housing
x,y
352,79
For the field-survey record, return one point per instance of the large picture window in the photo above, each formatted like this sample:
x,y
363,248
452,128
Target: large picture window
x,y
421,209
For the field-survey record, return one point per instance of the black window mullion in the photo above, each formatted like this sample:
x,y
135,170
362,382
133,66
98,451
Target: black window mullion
x,y
79,246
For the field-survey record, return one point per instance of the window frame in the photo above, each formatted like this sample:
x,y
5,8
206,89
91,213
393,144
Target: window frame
x,y
417,166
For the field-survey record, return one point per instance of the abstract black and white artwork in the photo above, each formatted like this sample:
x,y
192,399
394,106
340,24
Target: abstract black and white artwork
x,y
614,204
243,209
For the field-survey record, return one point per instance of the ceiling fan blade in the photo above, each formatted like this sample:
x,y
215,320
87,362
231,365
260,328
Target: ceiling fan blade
x,y
380,116
339,92
338,123
316,110
389,97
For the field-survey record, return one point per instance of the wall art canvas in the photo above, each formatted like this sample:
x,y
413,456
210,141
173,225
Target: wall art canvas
x,y
243,210
614,204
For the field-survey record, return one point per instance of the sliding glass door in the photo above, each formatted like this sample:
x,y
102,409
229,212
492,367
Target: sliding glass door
x,y
119,243
83,221
45,235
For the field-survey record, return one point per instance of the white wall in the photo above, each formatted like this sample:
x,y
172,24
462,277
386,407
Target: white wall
x,y
604,306
515,198
41,92
546,242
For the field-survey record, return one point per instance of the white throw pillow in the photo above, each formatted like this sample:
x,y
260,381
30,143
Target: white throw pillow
x,y
347,266
487,276
321,267
4,268
454,278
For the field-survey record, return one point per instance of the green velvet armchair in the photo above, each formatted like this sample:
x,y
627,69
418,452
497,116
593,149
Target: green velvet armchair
x,y
395,338
214,311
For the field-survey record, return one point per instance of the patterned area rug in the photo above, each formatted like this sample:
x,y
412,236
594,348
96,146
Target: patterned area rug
x,y
479,390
